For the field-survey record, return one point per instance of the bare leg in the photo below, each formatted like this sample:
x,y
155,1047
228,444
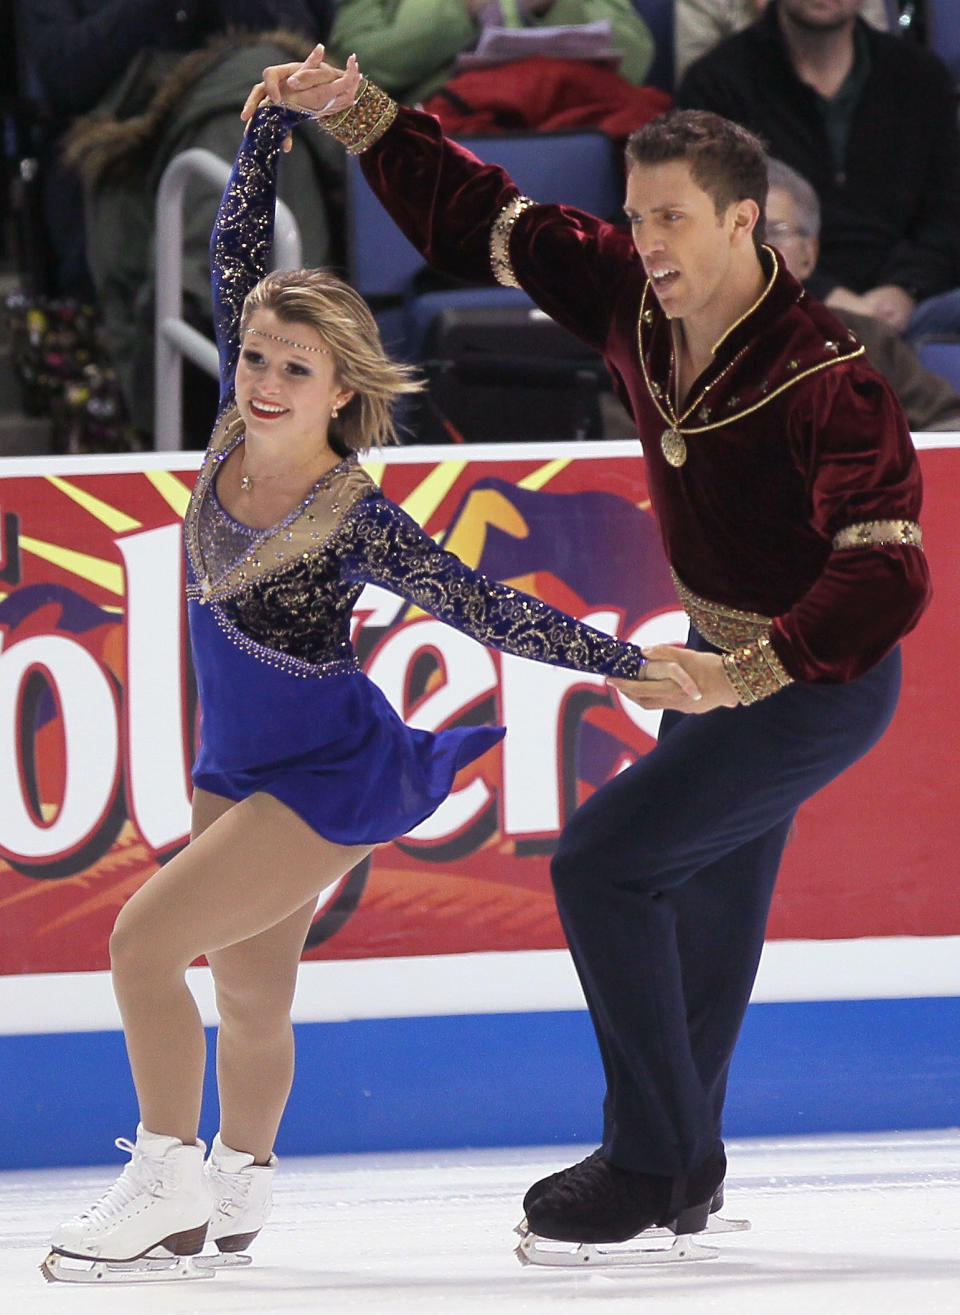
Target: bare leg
x,y
255,982
255,866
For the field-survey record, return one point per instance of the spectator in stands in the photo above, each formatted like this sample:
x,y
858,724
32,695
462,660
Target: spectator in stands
x,y
410,47
699,25
124,60
871,122
80,49
793,227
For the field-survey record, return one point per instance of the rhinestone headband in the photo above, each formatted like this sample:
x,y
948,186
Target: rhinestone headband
x,y
289,342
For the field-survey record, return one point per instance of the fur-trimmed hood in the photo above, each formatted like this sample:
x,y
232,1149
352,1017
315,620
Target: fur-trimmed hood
x,y
208,81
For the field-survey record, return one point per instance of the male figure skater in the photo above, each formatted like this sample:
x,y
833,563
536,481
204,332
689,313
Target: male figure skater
x,y
787,490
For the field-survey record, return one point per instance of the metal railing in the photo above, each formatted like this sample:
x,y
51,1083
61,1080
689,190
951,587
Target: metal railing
x,y
174,337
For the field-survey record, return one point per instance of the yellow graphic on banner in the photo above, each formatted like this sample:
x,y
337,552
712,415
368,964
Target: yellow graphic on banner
x,y
172,489
112,517
105,574
430,492
484,508
537,479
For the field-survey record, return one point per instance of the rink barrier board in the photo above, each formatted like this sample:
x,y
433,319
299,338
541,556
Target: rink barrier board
x,y
505,1080
820,1052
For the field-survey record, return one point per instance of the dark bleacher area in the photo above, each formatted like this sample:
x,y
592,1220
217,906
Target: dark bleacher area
x,y
498,369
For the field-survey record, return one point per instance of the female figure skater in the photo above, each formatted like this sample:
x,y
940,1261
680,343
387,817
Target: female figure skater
x,y
303,765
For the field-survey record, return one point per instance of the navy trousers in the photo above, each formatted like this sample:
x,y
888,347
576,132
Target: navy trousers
x,y
663,880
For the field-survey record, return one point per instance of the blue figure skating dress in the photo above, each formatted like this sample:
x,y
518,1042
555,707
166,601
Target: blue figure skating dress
x,y
286,709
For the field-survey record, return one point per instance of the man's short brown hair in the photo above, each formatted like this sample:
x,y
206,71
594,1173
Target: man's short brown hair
x,y
726,161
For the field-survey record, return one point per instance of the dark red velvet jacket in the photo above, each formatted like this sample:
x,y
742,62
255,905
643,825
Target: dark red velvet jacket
x,y
815,440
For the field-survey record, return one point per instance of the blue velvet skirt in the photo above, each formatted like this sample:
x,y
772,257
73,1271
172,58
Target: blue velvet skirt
x,y
330,747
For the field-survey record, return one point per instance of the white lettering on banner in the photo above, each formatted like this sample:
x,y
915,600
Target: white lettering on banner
x,y
87,708
533,698
376,607
470,674
156,740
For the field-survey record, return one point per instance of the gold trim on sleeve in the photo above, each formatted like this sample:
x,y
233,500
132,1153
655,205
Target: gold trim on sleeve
x,y
500,261
364,122
870,534
755,671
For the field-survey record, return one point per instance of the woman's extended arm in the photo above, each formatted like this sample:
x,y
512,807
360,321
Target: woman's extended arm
x,y
242,236
378,543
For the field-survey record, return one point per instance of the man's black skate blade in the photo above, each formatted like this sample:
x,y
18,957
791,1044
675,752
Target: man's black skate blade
x,y
644,1249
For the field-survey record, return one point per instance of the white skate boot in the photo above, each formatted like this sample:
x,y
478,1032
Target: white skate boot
x,y
148,1225
242,1196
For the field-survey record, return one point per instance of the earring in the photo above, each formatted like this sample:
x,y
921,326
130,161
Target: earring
x,y
334,413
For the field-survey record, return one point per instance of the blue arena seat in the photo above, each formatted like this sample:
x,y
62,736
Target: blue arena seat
x,y
942,356
579,168
943,32
658,16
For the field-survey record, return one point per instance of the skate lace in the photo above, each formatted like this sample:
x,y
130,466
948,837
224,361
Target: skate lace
x,y
142,1174
232,1191
593,1179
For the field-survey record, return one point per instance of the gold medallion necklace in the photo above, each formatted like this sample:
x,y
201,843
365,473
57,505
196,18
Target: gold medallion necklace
x,y
673,444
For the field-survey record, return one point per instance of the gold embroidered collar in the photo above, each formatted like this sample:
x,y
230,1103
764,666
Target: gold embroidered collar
x,y
299,535
673,440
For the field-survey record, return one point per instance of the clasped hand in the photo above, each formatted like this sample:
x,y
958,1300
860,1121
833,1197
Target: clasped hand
x,y
679,678
313,85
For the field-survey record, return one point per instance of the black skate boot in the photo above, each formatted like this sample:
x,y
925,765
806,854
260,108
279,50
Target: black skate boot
x,y
597,1201
544,1184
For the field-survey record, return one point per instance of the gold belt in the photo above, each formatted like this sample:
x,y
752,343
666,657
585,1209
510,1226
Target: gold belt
x,y
725,627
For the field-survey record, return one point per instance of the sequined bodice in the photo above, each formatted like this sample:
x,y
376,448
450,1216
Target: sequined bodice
x,y
303,611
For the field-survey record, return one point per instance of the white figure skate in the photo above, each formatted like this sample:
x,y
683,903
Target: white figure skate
x,y
148,1226
242,1201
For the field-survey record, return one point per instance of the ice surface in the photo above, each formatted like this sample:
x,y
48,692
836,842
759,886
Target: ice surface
x,y
841,1226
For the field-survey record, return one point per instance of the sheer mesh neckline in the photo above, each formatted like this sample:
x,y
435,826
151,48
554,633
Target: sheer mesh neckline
x,y
254,530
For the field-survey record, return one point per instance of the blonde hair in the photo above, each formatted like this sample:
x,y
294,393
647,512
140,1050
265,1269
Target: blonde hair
x,y
346,325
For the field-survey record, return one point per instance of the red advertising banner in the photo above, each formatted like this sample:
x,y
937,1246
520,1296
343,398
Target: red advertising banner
x,y
98,717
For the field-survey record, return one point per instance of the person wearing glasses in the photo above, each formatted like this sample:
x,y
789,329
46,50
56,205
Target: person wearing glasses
x,y
793,227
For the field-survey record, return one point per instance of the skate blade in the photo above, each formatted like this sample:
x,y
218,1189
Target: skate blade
x,y
714,1225
71,1269
639,1250
717,1225
223,1260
